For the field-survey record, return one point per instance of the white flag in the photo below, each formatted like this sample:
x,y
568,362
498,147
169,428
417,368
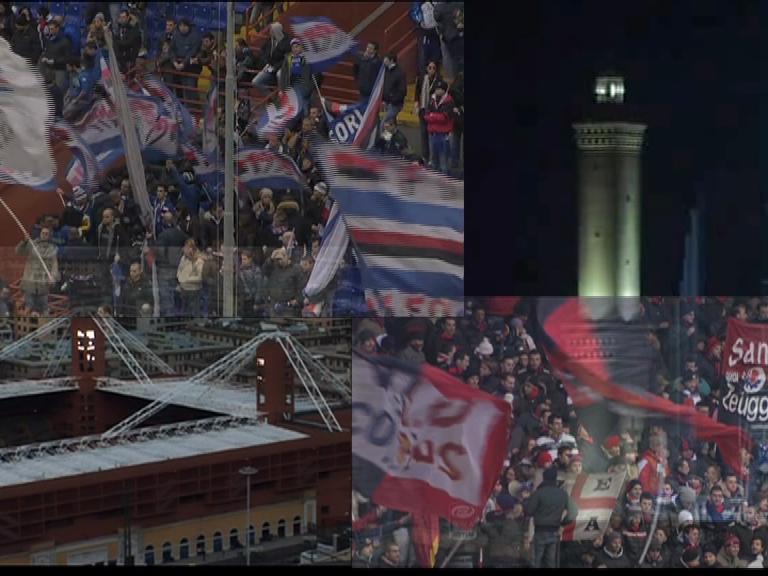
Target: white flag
x,y
26,118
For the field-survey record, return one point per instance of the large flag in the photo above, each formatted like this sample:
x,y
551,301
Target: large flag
x,y
607,363
156,128
205,170
745,361
100,131
26,117
259,168
83,168
407,225
155,87
333,246
423,442
426,539
595,496
210,132
277,115
324,43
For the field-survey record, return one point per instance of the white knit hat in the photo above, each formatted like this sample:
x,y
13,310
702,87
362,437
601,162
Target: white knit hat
x,y
485,348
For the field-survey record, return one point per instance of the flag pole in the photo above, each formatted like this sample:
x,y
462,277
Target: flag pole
x,y
28,238
227,247
322,100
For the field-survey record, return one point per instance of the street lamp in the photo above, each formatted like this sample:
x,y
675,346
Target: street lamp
x,y
248,471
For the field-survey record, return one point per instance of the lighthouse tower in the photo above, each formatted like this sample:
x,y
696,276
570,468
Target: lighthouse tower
x,y
610,145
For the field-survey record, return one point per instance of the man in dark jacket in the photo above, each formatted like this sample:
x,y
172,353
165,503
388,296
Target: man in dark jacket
x,y
297,74
184,47
272,55
283,285
551,508
612,555
127,41
136,298
26,39
395,87
365,69
56,53
392,141
168,254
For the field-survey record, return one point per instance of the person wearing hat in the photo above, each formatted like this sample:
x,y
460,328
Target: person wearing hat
x,y
295,73
506,534
551,508
728,557
26,40
691,558
392,142
414,335
612,555
284,284
709,556
271,58
576,465
363,557
484,349
439,119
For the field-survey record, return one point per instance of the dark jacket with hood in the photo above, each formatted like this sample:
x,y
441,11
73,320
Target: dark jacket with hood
x,y
394,86
618,560
547,504
365,72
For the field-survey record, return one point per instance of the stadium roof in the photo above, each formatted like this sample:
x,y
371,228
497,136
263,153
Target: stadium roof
x,y
89,454
17,388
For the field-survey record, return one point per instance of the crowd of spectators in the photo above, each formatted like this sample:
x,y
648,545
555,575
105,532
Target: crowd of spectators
x,y
105,249
703,513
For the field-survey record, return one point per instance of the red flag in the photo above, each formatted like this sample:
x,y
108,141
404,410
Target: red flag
x,y
425,534
501,305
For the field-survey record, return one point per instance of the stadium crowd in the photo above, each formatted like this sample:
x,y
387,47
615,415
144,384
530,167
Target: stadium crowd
x,y
703,513
99,250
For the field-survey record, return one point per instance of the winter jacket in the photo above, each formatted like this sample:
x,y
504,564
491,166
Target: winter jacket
x,y
127,44
251,283
649,476
274,54
190,273
728,561
394,86
618,560
302,83
284,284
185,46
26,42
546,506
505,537
444,17
35,278
109,244
395,146
135,294
635,542
365,72
439,115
58,50
169,248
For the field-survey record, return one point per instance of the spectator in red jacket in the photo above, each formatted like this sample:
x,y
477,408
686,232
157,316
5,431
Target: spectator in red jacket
x,y
439,119
655,455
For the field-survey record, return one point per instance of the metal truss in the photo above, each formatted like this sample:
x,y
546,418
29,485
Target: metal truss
x,y
14,348
132,342
121,349
59,353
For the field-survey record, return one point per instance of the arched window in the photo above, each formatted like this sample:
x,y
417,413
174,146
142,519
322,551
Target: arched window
x,y
281,528
218,542
252,535
296,525
167,552
200,548
184,549
234,539
149,555
265,531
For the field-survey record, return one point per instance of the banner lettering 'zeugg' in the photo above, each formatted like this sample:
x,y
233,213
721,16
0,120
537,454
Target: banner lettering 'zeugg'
x,y
745,361
424,442
26,116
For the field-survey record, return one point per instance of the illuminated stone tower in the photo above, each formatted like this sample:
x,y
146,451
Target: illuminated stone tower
x,y
610,145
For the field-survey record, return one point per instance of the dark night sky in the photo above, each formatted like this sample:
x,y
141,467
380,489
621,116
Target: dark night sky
x,y
691,70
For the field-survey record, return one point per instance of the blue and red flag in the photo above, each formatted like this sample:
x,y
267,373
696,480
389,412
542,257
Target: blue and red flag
x,y
259,168
277,115
83,168
324,43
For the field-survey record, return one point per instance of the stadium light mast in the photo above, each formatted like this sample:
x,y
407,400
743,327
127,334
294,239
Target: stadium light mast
x,y
227,247
610,146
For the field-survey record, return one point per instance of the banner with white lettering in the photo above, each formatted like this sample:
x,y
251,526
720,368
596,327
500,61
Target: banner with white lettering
x,y
423,441
745,361
595,496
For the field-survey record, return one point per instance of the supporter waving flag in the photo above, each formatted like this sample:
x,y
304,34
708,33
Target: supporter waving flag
x,y
423,441
210,132
334,244
324,43
357,124
157,88
278,114
156,128
407,225
606,362
259,168
26,117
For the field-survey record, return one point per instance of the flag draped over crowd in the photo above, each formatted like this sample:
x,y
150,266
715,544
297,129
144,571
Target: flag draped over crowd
x,y
358,124
26,120
423,442
407,225
605,362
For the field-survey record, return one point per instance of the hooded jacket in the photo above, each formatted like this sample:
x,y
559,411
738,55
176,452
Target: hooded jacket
x,y
618,560
546,506
649,476
186,46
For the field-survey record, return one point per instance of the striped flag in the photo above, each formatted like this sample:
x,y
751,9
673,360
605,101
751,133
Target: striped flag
x,y
26,117
82,169
366,135
259,168
324,43
155,87
426,538
277,115
210,133
106,79
333,246
595,496
407,225
99,130
441,448
205,170
156,128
